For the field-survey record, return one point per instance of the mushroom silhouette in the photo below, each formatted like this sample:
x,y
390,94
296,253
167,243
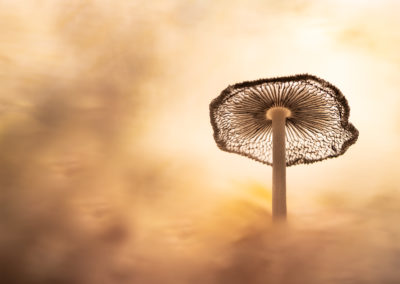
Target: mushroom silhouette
x,y
281,122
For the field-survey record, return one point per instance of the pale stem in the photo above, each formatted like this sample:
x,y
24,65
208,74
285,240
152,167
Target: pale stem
x,y
278,116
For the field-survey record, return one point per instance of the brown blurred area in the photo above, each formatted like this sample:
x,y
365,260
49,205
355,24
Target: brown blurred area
x,y
108,169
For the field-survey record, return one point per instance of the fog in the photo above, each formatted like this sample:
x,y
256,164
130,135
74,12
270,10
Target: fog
x,y
108,169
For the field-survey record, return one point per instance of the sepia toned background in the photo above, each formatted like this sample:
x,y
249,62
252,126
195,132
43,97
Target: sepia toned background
x,y
108,169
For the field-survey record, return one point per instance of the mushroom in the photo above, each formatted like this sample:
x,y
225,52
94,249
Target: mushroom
x,y
282,122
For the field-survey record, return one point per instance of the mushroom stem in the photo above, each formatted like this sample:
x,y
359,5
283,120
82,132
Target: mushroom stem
x,y
278,116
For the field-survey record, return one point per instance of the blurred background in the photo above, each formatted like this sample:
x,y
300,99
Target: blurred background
x,y
108,169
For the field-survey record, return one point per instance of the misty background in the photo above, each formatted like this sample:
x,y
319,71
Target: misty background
x,y
108,169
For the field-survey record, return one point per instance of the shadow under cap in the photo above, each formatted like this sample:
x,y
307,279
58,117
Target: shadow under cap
x,y
317,129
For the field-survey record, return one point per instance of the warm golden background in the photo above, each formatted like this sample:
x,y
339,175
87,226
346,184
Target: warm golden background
x,y
108,169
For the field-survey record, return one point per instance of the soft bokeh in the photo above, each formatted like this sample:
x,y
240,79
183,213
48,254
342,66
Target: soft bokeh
x,y
108,169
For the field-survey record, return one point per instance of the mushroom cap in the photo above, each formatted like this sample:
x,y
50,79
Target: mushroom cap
x,y
317,129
